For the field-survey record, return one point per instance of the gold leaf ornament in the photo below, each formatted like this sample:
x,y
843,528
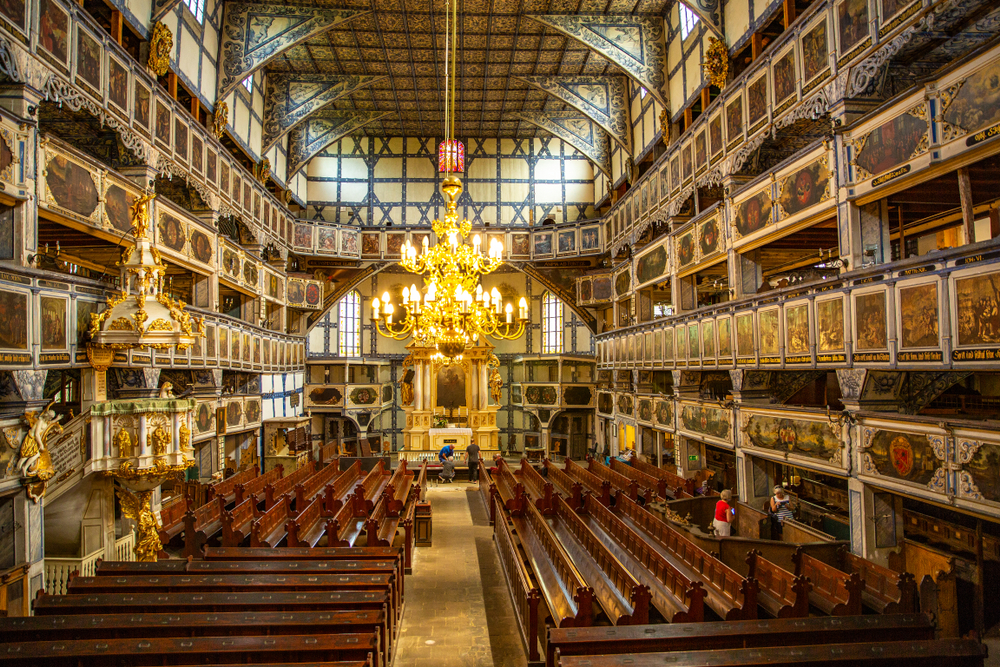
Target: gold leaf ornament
x,y
716,65
160,46
220,118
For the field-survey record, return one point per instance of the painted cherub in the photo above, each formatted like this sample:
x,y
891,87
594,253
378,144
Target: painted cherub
x,y
33,458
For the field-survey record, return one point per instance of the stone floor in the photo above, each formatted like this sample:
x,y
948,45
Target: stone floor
x,y
453,583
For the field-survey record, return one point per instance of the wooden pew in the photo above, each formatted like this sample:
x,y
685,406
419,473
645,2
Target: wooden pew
x,y
256,486
925,653
782,594
409,523
600,488
566,594
667,637
360,647
226,489
236,523
885,591
674,481
328,454
834,592
269,529
730,595
398,489
380,527
172,519
285,485
307,527
343,529
643,479
955,537
509,490
373,485
524,595
486,489
201,525
677,598
571,489
537,487
620,483
313,486
422,480
624,599
822,493
342,487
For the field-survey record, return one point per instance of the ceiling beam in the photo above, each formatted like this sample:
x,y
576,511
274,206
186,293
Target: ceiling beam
x,y
604,99
576,129
322,129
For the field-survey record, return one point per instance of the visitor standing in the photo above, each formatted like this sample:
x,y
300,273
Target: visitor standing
x,y
724,513
472,457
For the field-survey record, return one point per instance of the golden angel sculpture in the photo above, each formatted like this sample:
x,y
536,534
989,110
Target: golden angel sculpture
x,y
33,460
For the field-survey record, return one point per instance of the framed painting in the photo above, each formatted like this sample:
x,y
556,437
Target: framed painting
x,y
815,55
693,342
919,316
797,338
891,144
852,26
543,244
15,12
180,140
14,320
52,323
715,143
734,120
870,321
724,325
326,240
708,339
197,153
757,103
141,114
590,238
668,344
753,213
830,325
520,244
700,150
567,242
687,167
709,238
89,68
768,332
664,182
53,31
745,335
784,80
118,92
117,202
371,244
805,187
71,186
162,123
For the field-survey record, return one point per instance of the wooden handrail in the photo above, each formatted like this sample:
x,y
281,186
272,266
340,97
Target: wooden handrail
x,y
257,484
673,480
895,592
539,488
280,487
525,594
842,591
227,487
302,523
271,519
566,485
234,520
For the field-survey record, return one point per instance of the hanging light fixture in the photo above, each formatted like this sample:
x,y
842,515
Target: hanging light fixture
x,y
454,311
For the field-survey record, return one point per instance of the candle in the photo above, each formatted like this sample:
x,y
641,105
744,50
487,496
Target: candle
x,y
375,308
406,295
509,309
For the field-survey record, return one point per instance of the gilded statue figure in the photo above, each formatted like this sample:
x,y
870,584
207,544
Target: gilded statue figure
x,y
123,441
160,440
496,385
33,459
137,506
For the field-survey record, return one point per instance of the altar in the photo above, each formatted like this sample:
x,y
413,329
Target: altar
x,y
458,438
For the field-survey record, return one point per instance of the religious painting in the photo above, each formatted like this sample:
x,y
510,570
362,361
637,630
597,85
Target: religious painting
x,y
223,342
349,242
708,339
978,309
256,349
52,321
977,103
13,10
815,52
694,342
296,294
744,335
700,150
197,153
274,286
815,440
756,101
71,185
211,162
170,232
234,348
892,7
535,394
891,144
830,325
88,61
567,241
918,311
784,77
84,309
250,273
869,316
605,403
725,337
753,214
162,122
451,387
804,188
645,410
686,167
180,140
668,344
247,203
708,237
230,262
543,245
664,182
520,245
651,265
117,201
585,287
908,457
982,468
237,188
117,83
734,120
715,134
53,30
140,106
626,404
13,321
590,238
327,239
852,22
664,412
234,413
685,249
204,421
643,199
675,172
713,422
797,330
246,347
267,352
201,247
393,244
602,288
767,332
371,244
223,176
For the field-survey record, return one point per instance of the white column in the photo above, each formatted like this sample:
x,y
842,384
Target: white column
x,y
484,383
175,444
142,435
418,386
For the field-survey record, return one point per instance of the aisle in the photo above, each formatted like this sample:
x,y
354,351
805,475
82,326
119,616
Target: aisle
x,y
453,583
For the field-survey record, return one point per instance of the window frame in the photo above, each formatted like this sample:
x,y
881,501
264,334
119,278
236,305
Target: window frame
x,y
553,323
247,84
197,9
349,324
688,20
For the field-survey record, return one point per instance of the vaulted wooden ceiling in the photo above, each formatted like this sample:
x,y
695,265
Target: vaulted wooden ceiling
x,y
405,39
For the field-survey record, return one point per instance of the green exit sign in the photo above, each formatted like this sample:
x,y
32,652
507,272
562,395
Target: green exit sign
x,y
693,457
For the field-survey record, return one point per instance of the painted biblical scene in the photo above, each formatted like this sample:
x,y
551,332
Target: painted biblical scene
x,y
784,77
984,468
590,238
117,202
118,84
708,237
53,321
806,187
918,310
694,342
370,245
543,245
708,339
327,239
979,309
852,21
767,324
602,288
797,329
646,410
535,394
88,54
170,232
651,266
892,144
53,29
744,335
869,314
734,120
815,440
713,422
756,101
977,103
830,325
715,135
71,186
606,403
664,413
904,456
815,52
451,387
685,249
725,337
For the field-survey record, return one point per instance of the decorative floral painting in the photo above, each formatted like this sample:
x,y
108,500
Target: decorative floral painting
x,y
869,315
918,310
753,214
806,187
815,440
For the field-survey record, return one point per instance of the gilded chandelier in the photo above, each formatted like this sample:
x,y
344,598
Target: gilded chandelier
x,y
454,310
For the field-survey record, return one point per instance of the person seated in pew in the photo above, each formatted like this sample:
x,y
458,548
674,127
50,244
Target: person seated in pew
x,y
779,508
447,470
724,513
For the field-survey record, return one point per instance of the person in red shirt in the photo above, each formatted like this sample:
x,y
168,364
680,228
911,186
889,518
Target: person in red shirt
x,y
724,513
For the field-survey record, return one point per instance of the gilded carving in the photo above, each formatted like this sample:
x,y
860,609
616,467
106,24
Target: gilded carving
x,y
124,444
263,170
716,64
160,46
160,441
220,119
138,507
33,460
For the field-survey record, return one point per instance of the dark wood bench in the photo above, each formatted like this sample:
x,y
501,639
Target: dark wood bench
x,y
730,595
285,485
620,484
307,527
329,453
782,593
373,485
508,489
193,650
737,634
487,489
674,481
643,479
833,592
226,488
925,653
525,596
538,488
381,526
172,519
342,487
255,487
398,490
571,489
202,524
599,487
236,523
314,485
343,529
270,528
885,591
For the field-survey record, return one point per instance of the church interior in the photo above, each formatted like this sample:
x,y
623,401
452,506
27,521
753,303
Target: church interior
x,y
453,332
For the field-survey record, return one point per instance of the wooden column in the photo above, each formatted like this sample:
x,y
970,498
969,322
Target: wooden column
x,y
965,196
994,223
902,233
172,84
116,26
706,99
756,45
788,6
